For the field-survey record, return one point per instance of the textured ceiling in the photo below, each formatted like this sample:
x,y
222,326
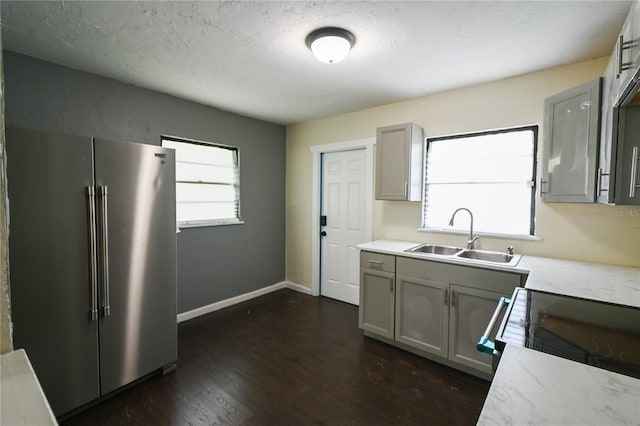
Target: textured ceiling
x,y
250,57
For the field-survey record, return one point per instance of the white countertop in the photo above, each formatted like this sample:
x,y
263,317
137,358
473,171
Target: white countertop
x,y
605,283
22,401
531,387
534,388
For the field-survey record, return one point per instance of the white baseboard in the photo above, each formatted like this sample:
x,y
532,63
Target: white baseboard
x,y
241,298
298,287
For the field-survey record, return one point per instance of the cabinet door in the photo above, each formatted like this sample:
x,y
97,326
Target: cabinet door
x,y
51,292
422,314
570,145
471,311
376,301
399,163
626,52
608,138
628,161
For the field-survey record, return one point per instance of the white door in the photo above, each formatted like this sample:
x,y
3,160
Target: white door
x,y
343,204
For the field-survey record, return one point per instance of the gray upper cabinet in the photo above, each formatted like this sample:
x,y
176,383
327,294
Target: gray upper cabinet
x,y
627,184
399,162
619,161
626,55
571,133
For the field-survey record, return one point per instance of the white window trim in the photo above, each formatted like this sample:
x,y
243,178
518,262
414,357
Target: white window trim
x,y
212,222
525,237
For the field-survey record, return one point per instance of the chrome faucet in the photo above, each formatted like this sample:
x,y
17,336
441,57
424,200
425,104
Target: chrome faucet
x,y
472,239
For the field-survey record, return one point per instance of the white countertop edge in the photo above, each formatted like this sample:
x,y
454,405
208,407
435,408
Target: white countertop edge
x,y
22,399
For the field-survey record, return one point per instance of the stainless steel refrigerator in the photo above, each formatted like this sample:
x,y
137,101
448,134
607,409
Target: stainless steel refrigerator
x,y
92,253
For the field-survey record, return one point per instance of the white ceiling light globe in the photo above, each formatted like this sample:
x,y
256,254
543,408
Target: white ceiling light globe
x,y
331,49
330,45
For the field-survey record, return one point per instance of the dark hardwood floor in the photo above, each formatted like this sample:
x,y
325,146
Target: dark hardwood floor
x,y
291,359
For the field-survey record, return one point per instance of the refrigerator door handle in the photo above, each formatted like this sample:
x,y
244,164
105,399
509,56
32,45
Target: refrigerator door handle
x,y
93,253
106,308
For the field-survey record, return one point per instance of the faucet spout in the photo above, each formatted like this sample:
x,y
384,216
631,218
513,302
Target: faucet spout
x,y
472,238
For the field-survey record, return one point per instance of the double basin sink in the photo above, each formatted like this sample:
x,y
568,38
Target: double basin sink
x,y
505,259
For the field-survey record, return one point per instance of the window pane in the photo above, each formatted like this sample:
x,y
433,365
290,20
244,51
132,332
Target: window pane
x,y
216,196
202,154
194,193
205,173
186,212
490,174
487,158
501,208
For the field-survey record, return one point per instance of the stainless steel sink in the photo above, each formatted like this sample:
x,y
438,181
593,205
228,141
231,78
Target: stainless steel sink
x,y
434,249
490,256
505,259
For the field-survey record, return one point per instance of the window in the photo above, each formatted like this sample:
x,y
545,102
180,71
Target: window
x,y
207,183
491,173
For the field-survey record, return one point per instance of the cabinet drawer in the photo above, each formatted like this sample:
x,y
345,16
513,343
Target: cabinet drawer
x,y
484,279
381,262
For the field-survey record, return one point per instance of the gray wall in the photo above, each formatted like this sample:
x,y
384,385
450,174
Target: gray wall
x,y
214,263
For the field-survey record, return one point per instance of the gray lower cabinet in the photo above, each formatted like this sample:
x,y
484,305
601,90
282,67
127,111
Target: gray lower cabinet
x,y
377,289
422,314
471,311
438,309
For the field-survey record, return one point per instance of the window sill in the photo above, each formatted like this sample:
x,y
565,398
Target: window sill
x,y
207,223
482,234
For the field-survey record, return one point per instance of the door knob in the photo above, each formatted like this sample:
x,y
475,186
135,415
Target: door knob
x,y
323,234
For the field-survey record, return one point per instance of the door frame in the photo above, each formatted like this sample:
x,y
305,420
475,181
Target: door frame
x,y
316,193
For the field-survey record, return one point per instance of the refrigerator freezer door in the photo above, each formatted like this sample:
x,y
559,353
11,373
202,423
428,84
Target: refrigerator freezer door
x,y
49,247
138,322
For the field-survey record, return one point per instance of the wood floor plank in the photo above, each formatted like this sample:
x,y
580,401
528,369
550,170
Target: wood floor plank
x,y
291,359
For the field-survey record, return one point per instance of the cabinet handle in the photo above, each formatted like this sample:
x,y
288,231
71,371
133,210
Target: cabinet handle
x,y
542,182
618,51
376,264
446,297
634,173
599,188
453,298
622,46
406,190
390,285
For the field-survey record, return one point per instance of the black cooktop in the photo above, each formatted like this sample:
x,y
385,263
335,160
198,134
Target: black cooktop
x,y
601,334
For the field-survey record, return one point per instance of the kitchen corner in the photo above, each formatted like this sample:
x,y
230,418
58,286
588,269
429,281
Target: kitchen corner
x,y
531,387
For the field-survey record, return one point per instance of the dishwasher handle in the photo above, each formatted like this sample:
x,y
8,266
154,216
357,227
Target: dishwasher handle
x,y
485,344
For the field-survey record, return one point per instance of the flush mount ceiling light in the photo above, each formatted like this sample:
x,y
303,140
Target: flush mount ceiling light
x,y
330,44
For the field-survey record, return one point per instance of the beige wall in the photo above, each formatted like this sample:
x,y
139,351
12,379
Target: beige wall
x,y
593,233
